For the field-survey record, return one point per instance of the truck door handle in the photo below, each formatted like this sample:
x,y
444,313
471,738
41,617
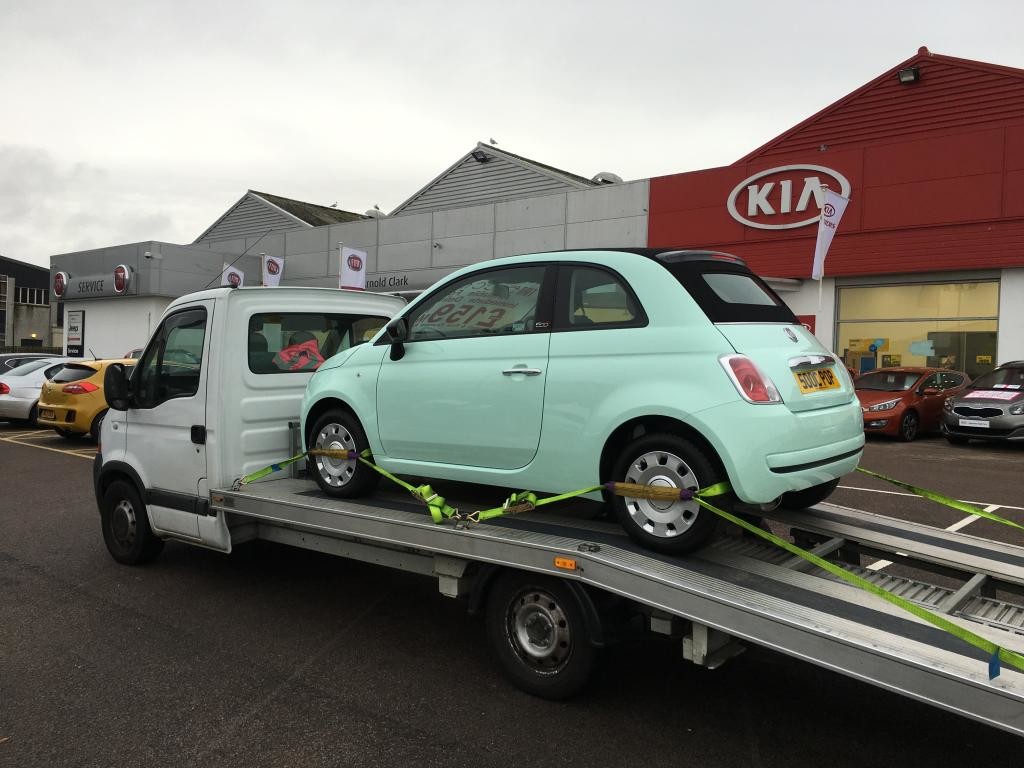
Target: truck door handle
x,y
198,434
521,371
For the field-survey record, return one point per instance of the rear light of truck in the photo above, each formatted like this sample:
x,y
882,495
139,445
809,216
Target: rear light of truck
x,y
79,388
753,385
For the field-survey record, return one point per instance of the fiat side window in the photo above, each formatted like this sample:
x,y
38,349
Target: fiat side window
x,y
503,301
595,298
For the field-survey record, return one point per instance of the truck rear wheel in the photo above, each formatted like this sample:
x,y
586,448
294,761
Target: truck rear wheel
x,y
339,430
126,530
536,629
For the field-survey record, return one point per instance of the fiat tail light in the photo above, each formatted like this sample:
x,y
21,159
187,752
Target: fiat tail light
x,y
753,385
79,388
4,389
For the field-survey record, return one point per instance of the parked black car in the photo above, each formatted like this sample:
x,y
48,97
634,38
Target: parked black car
x,y
991,408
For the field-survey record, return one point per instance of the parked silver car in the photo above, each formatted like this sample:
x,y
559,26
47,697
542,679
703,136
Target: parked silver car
x,y
20,387
991,408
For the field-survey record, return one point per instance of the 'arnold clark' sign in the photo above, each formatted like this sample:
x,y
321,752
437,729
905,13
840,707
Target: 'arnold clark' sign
x,y
785,197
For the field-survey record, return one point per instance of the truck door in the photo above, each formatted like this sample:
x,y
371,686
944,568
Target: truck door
x,y
167,423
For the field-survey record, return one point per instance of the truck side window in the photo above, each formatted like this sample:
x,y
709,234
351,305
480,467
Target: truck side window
x,y
172,364
296,342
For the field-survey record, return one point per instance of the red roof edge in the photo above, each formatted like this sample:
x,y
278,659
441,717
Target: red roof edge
x,y
922,55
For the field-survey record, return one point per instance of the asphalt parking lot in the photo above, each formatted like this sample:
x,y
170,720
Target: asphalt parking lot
x,y
274,656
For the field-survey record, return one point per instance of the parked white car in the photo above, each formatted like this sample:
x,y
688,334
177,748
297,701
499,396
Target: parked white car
x,y
20,387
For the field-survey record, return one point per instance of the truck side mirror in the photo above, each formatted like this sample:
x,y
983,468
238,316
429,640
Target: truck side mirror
x,y
398,332
115,387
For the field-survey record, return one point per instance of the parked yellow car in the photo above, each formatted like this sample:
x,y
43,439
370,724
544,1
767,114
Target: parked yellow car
x,y
72,402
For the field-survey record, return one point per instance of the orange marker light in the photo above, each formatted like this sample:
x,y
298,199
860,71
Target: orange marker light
x,y
565,563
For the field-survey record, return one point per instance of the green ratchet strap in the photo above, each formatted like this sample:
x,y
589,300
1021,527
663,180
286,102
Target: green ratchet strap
x,y
996,654
963,506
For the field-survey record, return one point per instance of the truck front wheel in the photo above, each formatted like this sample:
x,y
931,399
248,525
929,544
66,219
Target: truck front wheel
x,y
126,530
536,629
338,430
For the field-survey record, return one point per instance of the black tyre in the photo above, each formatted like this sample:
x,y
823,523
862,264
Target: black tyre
x,y
33,415
343,478
97,423
674,527
808,497
67,434
910,423
126,530
536,629
957,439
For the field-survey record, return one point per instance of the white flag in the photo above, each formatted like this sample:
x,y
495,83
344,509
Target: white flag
x,y
352,273
232,276
832,209
273,268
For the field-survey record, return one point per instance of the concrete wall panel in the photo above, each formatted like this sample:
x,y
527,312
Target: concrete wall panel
x,y
459,251
463,221
611,202
529,213
537,240
405,229
614,232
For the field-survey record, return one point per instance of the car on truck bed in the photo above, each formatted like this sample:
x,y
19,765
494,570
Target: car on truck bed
x,y
557,371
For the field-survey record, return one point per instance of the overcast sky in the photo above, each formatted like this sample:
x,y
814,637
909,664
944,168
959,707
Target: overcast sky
x,y
128,121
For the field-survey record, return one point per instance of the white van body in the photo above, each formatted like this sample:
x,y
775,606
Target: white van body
x,y
234,424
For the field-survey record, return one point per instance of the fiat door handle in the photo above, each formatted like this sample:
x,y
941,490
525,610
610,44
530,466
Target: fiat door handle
x,y
522,371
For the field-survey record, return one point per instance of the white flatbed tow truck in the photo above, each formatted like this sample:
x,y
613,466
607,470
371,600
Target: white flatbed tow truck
x,y
201,411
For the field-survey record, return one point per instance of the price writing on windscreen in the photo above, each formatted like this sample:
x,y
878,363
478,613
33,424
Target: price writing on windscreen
x,y
481,305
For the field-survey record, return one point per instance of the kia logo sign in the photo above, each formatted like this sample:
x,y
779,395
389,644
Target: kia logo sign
x,y
122,276
355,263
60,284
273,267
786,197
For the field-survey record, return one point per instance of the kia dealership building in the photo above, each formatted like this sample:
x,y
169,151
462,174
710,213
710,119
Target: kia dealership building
x,y
927,266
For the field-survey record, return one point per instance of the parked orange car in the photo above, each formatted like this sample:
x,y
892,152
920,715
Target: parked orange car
x,y
903,402
72,402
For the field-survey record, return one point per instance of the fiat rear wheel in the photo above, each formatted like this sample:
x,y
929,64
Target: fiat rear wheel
x,y
667,461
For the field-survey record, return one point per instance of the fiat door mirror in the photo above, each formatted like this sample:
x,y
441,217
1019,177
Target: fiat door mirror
x,y
398,332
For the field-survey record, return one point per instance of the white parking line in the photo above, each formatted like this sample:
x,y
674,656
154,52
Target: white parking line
x,y
880,564
66,452
915,496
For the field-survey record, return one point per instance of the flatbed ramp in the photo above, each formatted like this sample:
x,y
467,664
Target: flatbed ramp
x,y
737,587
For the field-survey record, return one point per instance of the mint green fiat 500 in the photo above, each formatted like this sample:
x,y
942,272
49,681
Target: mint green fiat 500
x,y
556,371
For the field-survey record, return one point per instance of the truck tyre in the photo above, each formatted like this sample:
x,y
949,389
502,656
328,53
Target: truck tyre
x,y
666,460
536,629
808,497
126,530
342,478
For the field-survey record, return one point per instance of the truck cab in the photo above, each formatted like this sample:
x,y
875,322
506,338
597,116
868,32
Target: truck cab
x,y
210,401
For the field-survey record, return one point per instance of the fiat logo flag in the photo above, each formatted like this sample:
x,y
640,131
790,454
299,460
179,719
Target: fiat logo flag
x,y
122,278
232,277
273,269
352,273
60,284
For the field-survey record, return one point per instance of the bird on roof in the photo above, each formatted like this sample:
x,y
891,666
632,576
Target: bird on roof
x,y
494,143
376,207
334,204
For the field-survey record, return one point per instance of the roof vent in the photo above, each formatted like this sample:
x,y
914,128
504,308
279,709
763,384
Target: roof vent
x,y
607,177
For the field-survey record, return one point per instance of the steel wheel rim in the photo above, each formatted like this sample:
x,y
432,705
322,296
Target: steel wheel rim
x,y
663,519
538,630
335,472
123,524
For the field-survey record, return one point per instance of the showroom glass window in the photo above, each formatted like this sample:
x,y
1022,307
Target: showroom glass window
x,y
496,302
941,325
172,363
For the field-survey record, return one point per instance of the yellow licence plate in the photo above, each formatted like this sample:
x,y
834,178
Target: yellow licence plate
x,y
816,381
